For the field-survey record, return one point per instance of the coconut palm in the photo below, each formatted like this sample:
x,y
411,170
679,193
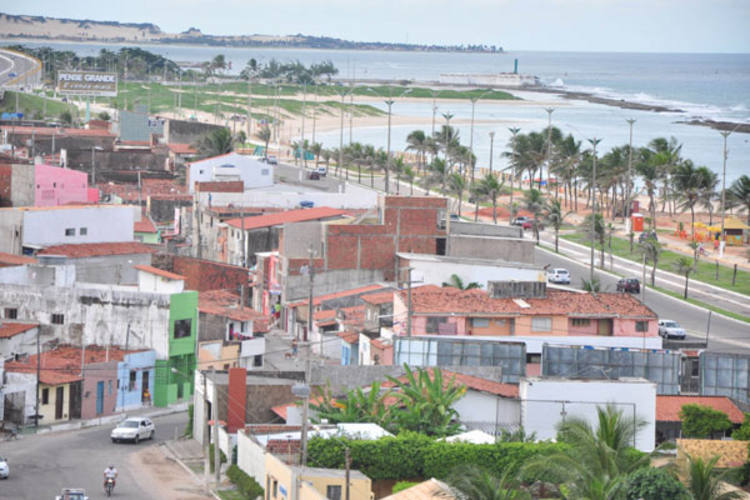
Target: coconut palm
x,y
478,194
471,482
684,266
705,481
457,282
417,141
708,194
647,167
592,285
554,217
651,249
317,149
533,201
491,187
398,166
690,182
409,175
457,186
600,232
264,134
439,172
738,194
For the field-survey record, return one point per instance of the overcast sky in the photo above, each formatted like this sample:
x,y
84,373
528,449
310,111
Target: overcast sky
x,y
567,25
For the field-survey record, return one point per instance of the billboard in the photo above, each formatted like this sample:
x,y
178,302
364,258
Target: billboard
x,y
91,83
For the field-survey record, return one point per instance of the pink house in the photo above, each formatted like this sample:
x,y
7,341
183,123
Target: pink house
x,y
61,186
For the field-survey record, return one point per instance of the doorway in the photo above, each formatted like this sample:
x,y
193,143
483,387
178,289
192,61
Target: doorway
x,y
145,387
59,397
100,397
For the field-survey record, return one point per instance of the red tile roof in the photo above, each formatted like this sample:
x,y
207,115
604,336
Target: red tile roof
x,y
8,330
63,364
277,219
9,259
431,299
668,407
97,249
471,382
160,272
349,337
379,298
344,293
145,225
182,149
60,132
225,303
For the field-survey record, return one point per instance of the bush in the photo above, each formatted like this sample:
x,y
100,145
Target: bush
x,y
743,432
222,456
246,484
700,421
650,483
188,433
403,485
411,455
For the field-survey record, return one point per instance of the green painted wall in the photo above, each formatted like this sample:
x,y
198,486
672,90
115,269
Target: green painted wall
x,y
183,306
150,238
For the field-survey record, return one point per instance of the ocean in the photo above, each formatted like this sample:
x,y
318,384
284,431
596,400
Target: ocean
x,y
704,86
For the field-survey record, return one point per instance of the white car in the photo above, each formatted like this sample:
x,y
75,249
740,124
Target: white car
x,y
4,468
559,275
671,329
133,429
72,494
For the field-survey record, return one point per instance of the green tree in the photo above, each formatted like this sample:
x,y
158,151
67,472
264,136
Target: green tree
x,y
703,422
593,285
457,186
358,406
427,402
647,167
651,249
705,482
457,282
417,141
409,175
66,117
652,483
215,143
684,266
738,194
533,201
264,134
690,182
104,116
742,433
491,187
477,193
471,482
554,217
600,231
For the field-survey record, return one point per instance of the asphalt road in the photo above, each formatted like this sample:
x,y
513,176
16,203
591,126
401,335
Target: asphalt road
x,y
41,465
12,63
725,334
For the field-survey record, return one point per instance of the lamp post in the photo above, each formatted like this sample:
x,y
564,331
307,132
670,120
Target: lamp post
x,y
725,134
389,102
594,141
343,93
434,109
549,149
514,131
447,117
471,132
492,143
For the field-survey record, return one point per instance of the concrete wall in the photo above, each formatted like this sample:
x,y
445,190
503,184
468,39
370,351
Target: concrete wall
x,y
59,186
11,230
114,269
23,385
350,196
95,373
483,247
251,457
487,412
545,402
155,283
23,343
186,132
22,188
47,411
431,270
231,167
102,224
141,363
296,287
463,228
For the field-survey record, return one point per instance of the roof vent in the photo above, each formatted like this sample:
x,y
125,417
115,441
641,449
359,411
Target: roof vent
x,y
522,303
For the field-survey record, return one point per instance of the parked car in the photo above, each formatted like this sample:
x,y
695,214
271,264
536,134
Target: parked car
x,y
272,160
529,224
12,74
629,285
4,468
559,275
519,221
72,494
322,171
133,429
313,176
670,329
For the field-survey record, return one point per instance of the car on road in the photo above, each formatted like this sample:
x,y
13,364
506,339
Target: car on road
x,y
272,160
4,468
133,429
559,275
670,329
529,224
313,176
519,221
72,494
322,171
629,285
12,75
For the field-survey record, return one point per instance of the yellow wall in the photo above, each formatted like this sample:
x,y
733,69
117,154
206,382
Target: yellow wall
x,y
48,410
360,489
285,479
559,326
230,354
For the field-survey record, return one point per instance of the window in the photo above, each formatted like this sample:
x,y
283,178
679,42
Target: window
x,y
480,322
432,324
258,360
182,328
275,488
641,326
83,231
45,396
58,319
333,492
11,313
541,324
132,381
70,231
581,321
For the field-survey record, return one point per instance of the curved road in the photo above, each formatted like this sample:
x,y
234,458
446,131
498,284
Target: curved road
x,y
14,67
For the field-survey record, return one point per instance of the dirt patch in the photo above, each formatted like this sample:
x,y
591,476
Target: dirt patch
x,y
163,477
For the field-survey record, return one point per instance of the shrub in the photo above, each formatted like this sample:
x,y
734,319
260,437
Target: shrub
x,y
188,433
246,484
700,421
650,483
403,485
743,432
222,456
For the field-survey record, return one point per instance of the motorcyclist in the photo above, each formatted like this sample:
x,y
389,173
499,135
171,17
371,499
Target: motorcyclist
x,y
110,472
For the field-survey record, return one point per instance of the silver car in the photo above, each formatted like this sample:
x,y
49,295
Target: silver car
x,y
559,275
4,468
133,429
671,329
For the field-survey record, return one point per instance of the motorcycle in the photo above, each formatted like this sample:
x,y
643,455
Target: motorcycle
x,y
109,485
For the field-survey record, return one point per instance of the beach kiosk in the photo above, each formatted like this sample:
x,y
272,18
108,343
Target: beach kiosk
x,y
734,231
637,222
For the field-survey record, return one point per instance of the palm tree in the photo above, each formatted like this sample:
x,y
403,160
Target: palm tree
x,y
648,169
478,193
553,216
738,194
398,165
358,406
215,143
705,481
600,232
690,183
457,282
316,149
417,141
667,156
457,186
534,202
592,285
409,174
684,266
492,187
439,171
264,134
472,482
651,249
708,194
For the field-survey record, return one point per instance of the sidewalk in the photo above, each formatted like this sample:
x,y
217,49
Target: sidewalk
x,y
167,476
188,454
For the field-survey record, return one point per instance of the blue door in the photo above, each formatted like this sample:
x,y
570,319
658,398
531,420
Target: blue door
x,y
99,397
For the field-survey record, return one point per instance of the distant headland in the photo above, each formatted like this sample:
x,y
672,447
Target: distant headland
x,y
86,30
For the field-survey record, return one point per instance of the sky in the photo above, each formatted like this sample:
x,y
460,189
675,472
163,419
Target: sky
x,y
547,25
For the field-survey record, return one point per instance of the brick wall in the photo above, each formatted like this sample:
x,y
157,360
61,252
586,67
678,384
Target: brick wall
x,y
203,275
220,187
5,176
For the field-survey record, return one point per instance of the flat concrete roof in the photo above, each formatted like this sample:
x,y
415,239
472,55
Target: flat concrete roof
x,y
469,260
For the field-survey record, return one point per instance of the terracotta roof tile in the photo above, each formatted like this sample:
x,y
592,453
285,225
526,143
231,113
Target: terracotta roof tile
x,y
160,272
471,382
225,303
379,298
60,132
349,337
9,259
145,225
432,299
668,407
182,149
306,214
8,330
97,249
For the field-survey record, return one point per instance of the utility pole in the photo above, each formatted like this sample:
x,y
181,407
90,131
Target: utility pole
x,y
93,166
38,374
593,142
492,144
348,461
215,407
549,149
722,243
351,115
514,131
311,274
204,433
409,305
341,137
389,103
302,139
434,110
244,257
627,208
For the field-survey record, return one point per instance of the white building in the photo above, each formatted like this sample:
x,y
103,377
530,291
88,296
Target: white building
x,y
546,402
17,339
231,167
32,228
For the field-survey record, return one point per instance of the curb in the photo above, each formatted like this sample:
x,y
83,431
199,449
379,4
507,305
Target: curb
x,y
188,469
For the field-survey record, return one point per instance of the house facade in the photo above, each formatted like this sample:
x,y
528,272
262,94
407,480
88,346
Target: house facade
x,y
231,167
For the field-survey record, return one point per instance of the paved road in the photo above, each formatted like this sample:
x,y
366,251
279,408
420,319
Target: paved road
x,y
725,334
41,465
12,64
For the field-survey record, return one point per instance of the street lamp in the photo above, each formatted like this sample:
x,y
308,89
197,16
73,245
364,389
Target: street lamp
x,y
471,133
389,102
447,117
725,134
492,143
594,141
343,93
514,131
549,148
434,109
